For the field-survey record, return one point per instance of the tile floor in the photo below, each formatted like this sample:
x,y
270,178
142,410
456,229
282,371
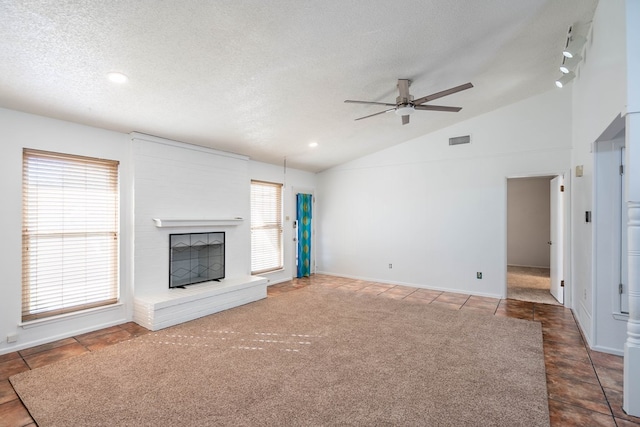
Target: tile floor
x,y
584,386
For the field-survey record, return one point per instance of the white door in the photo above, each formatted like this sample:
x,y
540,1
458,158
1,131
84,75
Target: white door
x,y
555,240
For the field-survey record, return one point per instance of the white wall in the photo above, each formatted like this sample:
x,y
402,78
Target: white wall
x,y
295,181
598,98
528,222
20,131
438,212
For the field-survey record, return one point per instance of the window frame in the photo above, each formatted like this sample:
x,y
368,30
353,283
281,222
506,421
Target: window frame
x,y
70,233
269,224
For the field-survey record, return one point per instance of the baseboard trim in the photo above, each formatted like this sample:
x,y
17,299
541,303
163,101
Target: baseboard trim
x,y
413,285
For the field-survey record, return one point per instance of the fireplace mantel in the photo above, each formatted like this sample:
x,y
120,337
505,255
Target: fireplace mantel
x,y
176,222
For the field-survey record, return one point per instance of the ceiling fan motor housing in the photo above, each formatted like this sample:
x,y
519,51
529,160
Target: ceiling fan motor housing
x,y
404,102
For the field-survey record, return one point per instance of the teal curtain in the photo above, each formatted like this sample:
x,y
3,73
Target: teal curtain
x,y
303,215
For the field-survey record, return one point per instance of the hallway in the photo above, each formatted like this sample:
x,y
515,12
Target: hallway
x,y
529,284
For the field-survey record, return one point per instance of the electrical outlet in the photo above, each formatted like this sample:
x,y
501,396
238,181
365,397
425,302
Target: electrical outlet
x,y
12,338
479,275
390,265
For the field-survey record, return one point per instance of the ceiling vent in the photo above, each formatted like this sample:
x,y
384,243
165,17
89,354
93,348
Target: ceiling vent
x,y
460,140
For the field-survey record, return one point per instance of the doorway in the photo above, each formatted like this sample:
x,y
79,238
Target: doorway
x,y
611,221
534,239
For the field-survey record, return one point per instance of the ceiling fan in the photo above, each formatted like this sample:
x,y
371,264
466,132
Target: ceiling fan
x,y
406,105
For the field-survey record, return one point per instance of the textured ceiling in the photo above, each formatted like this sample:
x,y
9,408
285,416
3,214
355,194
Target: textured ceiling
x,y
266,78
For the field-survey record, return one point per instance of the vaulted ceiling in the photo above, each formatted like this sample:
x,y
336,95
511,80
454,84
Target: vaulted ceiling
x,y
267,78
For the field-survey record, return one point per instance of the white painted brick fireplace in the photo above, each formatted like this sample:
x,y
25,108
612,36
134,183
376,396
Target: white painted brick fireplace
x,y
182,188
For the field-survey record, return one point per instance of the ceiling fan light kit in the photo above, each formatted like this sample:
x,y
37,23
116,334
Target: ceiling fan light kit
x,y
406,105
405,110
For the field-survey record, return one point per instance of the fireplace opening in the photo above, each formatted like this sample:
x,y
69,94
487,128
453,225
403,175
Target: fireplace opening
x,y
195,258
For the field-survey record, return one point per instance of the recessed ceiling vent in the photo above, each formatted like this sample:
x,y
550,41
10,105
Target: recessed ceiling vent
x,y
460,140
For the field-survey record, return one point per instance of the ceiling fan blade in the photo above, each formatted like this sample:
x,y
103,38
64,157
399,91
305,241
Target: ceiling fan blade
x,y
349,101
443,93
437,108
405,120
375,114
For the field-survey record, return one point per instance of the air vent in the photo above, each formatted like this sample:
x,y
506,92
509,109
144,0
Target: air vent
x,y
460,140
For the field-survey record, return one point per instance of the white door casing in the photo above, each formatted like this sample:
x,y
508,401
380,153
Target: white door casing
x,y
556,238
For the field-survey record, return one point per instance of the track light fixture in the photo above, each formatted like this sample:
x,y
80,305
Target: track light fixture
x,y
570,64
574,46
572,53
566,78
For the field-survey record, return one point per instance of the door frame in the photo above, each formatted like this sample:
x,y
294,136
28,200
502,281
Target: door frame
x,y
566,230
608,325
556,227
605,259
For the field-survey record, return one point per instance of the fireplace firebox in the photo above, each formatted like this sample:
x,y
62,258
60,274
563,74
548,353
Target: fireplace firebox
x,y
195,258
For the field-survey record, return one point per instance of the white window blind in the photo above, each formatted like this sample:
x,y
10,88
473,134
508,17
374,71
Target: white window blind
x,y
266,226
69,233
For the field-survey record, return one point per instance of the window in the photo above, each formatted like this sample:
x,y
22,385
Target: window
x,y
266,227
69,233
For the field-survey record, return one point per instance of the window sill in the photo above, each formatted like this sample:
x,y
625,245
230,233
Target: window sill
x,y
68,316
621,316
266,273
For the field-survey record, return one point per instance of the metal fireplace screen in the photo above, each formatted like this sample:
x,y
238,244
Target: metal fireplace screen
x,y
195,258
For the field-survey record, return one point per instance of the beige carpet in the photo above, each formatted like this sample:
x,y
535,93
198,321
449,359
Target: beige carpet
x,y
307,358
529,284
